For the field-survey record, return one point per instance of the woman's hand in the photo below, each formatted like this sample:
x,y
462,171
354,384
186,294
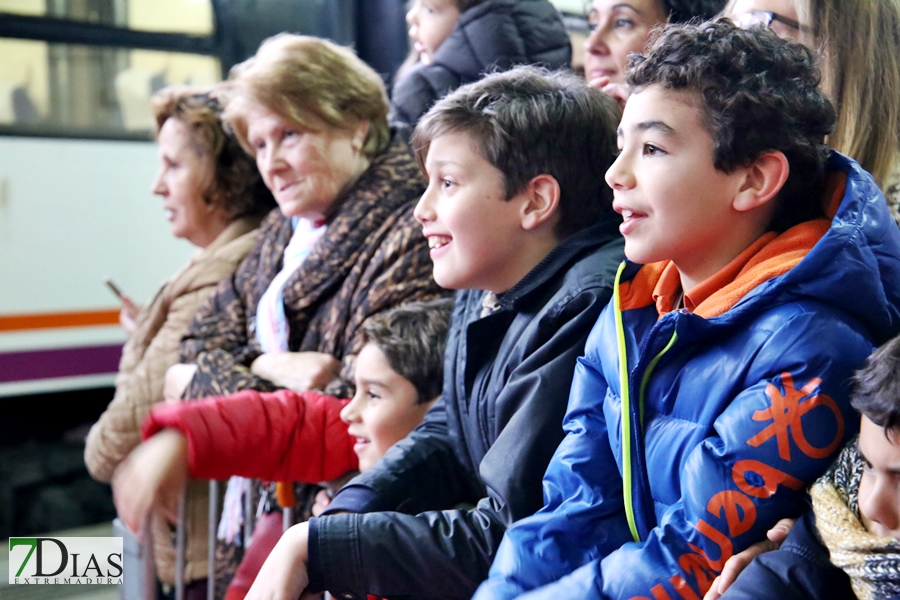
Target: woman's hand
x,y
284,576
128,315
297,371
737,563
178,377
617,90
151,478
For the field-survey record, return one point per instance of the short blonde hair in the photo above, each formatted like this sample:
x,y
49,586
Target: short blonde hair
x,y
236,183
309,81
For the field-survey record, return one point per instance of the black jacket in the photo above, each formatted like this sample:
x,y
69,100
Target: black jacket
x,y
800,570
487,442
496,34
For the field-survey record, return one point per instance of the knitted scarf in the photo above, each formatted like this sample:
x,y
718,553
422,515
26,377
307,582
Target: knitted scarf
x,y
872,562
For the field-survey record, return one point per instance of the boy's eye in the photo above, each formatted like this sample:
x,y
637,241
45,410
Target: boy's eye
x,y
258,144
447,183
651,150
372,395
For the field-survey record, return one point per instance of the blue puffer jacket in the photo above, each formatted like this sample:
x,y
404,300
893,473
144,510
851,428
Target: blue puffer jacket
x,y
740,412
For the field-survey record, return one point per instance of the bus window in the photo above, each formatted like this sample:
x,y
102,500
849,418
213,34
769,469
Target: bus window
x,y
194,17
84,91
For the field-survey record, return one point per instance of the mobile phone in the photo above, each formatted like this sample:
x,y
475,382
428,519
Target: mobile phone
x,y
112,286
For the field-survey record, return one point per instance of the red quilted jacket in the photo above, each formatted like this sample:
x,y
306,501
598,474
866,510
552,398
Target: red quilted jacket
x,y
275,436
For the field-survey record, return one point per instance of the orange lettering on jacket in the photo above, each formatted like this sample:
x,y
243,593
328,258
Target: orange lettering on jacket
x,y
786,414
738,509
771,477
729,502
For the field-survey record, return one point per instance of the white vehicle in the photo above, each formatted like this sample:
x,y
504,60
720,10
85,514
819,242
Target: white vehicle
x,y
77,158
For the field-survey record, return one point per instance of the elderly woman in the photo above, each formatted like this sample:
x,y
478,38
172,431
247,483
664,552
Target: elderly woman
x,y
343,246
214,198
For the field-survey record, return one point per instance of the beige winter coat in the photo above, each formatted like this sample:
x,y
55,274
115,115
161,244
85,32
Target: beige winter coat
x,y
151,349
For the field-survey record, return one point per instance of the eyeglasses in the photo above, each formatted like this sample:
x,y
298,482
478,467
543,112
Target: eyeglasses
x,y
764,18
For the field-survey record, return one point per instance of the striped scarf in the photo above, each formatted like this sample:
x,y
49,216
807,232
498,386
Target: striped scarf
x,y
872,562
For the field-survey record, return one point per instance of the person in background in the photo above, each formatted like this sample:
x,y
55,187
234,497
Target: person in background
x,y
457,41
619,28
861,72
848,544
762,269
297,437
214,197
343,246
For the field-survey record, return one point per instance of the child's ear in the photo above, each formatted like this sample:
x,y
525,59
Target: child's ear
x,y
541,199
763,180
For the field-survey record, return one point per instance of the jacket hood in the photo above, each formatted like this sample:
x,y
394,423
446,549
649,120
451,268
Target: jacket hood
x,y
504,33
853,263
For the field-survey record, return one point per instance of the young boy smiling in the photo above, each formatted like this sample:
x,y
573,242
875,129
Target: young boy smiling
x,y
715,385
305,437
519,218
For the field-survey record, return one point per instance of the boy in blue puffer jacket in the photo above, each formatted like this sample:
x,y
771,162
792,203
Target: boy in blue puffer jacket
x,y
715,386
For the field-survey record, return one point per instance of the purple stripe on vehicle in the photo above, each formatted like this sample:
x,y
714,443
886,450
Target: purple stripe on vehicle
x,y
62,362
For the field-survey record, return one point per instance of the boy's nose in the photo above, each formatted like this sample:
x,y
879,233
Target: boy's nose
x,y
881,506
617,176
424,211
350,412
411,14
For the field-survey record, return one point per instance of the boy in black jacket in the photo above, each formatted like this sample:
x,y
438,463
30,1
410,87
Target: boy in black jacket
x,y
518,218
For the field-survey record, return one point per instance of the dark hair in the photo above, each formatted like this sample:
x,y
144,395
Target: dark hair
x,y
528,122
876,393
412,338
237,185
682,11
758,93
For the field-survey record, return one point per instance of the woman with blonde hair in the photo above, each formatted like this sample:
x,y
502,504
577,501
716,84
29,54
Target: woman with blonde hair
x,y
859,44
214,198
343,246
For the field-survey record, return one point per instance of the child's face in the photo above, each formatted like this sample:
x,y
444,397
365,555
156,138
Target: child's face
x,y
384,409
430,23
879,489
619,28
675,204
471,229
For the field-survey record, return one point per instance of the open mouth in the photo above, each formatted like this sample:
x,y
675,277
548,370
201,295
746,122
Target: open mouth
x,y
438,241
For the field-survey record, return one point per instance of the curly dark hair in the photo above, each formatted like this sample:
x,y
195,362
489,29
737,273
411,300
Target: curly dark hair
x,y
237,185
876,392
682,11
530,121
758,93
